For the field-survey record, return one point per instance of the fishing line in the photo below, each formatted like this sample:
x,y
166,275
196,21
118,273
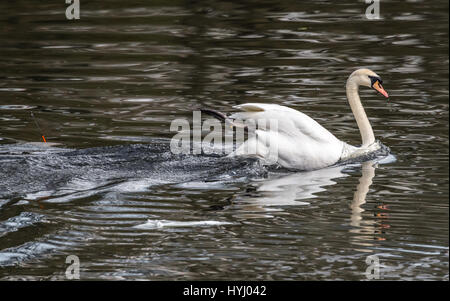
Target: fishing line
x,y
38,127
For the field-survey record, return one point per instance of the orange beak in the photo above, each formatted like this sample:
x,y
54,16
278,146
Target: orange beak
x,y
377,86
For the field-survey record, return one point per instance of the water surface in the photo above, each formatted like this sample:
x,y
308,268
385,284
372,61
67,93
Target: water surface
x,y
107,86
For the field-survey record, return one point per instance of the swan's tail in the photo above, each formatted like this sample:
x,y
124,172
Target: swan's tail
x,y
224,118
216,114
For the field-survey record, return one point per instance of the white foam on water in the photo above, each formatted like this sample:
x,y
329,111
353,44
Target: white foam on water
x,y
134,185
38,195
157,224
26,252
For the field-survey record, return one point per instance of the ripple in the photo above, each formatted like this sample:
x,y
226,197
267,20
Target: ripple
x,y
24,219
24,253
16,107
103,85
158,224
13,89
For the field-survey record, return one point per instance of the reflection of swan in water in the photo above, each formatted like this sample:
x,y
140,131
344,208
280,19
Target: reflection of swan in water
x,y
365,231
298,188
359,198
283,190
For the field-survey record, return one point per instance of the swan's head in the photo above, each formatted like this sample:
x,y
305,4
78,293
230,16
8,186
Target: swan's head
x,y
368,78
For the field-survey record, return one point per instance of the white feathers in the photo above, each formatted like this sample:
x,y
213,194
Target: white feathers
x,y
282,135
298,140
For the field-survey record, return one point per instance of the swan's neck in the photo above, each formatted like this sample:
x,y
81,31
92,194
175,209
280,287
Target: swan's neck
x,y
360,115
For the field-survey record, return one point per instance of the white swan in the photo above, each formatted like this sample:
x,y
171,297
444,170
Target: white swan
x,y
301,142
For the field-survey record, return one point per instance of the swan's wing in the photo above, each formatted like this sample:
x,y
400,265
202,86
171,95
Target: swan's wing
x,y
290,122
300,141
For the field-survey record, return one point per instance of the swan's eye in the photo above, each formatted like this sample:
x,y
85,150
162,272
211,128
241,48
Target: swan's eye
x,y
374,79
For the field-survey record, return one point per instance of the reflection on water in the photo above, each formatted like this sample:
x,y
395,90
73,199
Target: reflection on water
x,y
364,230
107,86
293,189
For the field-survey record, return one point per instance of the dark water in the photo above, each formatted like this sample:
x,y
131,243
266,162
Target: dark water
x,y
107,86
